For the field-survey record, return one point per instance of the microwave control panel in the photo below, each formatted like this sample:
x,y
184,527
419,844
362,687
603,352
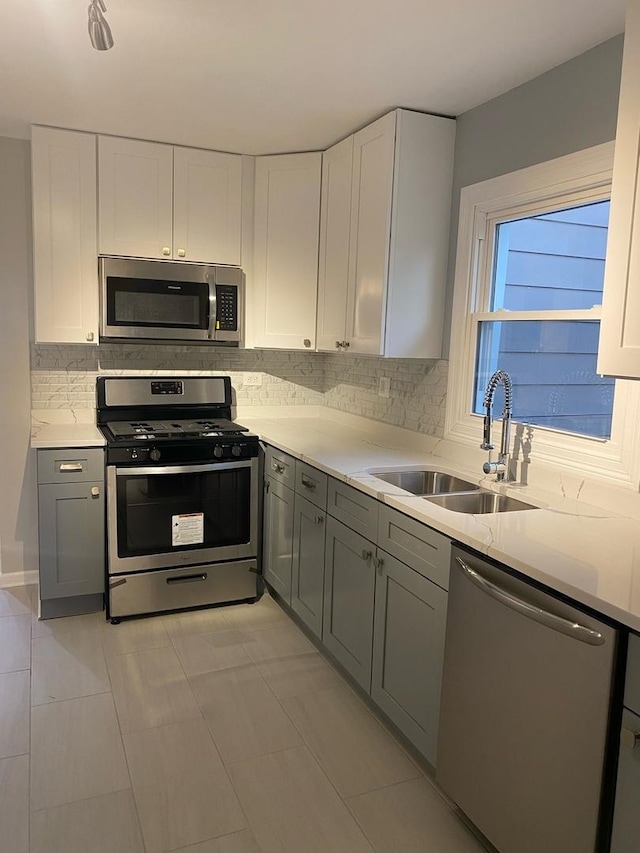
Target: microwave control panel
x,y
226,308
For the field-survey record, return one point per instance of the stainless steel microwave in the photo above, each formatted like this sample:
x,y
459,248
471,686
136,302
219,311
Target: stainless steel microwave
x,y
171,301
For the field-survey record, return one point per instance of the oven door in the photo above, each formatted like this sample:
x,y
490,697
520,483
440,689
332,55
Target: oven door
x,y
178,515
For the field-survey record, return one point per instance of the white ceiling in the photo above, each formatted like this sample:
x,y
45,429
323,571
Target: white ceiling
x,y
285,75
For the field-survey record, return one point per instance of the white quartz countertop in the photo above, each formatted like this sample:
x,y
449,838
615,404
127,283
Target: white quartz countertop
x,y
587,553
66,435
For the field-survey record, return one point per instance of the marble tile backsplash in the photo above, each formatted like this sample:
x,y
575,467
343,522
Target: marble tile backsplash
x,y
63,377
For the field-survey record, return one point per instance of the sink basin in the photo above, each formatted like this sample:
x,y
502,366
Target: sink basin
x,y
425,482
480,502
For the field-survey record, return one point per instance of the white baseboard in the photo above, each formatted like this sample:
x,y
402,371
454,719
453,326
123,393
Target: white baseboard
x,y
18,579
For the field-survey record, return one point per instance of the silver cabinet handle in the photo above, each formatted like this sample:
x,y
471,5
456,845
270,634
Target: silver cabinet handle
x,y
345,344
629,738
95,491
308,484
278,468
366,555
182,253
307,342
267,485
166,251
90,336
549,620
319,519
379,563
70,467
338,344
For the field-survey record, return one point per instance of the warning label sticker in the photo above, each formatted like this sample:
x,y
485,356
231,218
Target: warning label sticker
x,y
187,529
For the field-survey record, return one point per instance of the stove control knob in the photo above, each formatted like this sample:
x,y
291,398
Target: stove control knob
x,y
218,451
155,454
236,450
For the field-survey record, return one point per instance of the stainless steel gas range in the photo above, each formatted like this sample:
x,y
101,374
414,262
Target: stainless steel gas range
x,y
182,495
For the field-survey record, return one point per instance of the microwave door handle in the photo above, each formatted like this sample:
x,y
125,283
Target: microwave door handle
x,y
213,306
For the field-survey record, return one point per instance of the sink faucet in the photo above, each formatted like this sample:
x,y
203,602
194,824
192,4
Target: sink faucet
x,y
501,467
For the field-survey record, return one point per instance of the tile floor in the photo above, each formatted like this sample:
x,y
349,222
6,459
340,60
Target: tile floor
x,y
220,731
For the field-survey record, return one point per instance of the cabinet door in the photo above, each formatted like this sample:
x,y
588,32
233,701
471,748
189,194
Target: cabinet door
x,y
287,213
333,270
71,539
65,236
408,651
349,584
626,815
278,537
207,206
135,197
308,563
619,348
372,192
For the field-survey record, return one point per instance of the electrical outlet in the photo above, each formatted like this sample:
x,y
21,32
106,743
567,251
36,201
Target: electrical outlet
x,y
253,379
384,386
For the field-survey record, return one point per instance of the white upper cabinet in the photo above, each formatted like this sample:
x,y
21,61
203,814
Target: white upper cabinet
x,y
65,236
162,201
287,212
393,292
207,206
135,198
619,350
372,192
333,271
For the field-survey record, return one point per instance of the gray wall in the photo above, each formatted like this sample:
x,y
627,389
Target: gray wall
x,y
18,513
571,107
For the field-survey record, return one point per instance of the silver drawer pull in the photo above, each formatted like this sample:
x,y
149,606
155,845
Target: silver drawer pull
x,y
70,467
278,468
187,579
549,620
307,483
366,555
319,519
95,491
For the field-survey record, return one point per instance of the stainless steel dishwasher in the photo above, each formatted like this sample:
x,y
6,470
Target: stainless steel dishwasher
x,y
525,709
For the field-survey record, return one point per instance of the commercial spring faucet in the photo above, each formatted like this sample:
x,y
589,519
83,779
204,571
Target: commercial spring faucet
x,y
501,467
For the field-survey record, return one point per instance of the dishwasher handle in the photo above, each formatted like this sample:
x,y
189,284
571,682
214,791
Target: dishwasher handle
x,y
549,620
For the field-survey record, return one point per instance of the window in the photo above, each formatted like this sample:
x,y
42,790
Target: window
x,y
528,294
550,263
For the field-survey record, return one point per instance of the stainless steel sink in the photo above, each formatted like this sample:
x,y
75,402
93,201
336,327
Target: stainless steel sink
x,y
425,482
480,502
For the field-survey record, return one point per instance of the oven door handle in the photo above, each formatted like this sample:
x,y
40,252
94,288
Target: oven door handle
x,y
184,469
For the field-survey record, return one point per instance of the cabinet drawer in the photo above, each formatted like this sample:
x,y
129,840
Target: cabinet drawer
x,y
415,544
632,686
351,507
311,484
69,465
280,466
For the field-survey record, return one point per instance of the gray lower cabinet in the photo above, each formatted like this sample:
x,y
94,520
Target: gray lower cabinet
x,y
71,531
308,563
626,816
408,650
349,586
277,546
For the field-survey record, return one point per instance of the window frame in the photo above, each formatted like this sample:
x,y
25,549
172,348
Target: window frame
x,y
574,179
